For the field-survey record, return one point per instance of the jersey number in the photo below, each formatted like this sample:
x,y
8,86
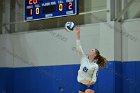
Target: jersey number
x,y
85,69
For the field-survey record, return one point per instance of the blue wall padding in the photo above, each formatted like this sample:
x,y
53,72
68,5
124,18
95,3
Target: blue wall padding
x,y
105,81
59,79
50,79
131,73
117,77
137,78
6,80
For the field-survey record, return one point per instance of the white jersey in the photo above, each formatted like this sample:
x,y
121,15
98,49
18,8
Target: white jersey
x,y
88,70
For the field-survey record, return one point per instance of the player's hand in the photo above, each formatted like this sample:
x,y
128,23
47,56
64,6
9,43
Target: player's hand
x,y
78,32
88,84
92,82
78,29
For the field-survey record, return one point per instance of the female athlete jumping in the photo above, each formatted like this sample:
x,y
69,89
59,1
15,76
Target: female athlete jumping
x,y
87,74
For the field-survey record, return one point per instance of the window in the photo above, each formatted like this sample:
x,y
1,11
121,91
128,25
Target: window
x,y
134,10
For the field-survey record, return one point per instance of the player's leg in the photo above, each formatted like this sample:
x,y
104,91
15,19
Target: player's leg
x,y
81,92
89,91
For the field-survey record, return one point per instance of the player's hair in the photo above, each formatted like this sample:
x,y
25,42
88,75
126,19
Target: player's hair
x,y
101,61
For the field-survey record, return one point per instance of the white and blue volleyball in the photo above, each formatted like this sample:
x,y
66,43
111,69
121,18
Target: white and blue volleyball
x,y
69,26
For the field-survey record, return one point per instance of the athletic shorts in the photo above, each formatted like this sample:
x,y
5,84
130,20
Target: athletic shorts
x,y
83,87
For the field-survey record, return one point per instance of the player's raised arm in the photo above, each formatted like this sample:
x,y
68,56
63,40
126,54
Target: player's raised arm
x,y
78,33
78,45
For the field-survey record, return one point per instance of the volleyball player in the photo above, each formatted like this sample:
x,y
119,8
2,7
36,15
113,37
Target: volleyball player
x,y
87,73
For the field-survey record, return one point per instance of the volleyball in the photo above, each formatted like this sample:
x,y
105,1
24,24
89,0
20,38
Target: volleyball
x,y
69,26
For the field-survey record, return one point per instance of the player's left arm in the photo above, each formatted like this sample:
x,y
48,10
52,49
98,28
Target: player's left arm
x,y
94,76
